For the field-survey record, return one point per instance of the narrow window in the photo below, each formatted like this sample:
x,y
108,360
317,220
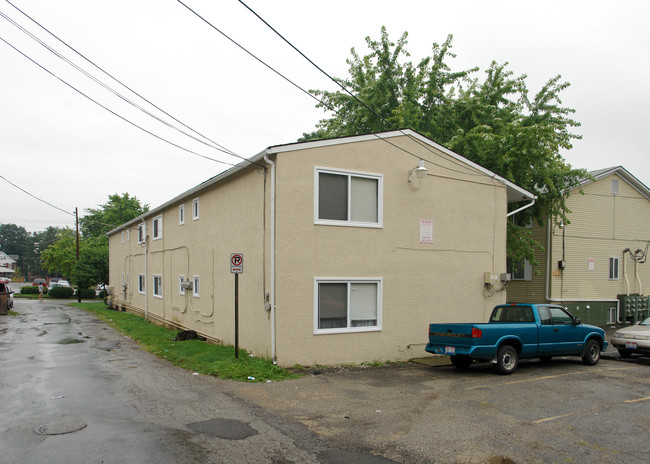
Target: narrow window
x,y
181,285
157,286
181,215
157,227
141,233
196,286
520,269
128,234
613,268
122,236
141,284
195,209
615,186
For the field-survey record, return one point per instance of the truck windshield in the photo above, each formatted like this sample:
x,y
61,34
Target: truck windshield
x,y
512,314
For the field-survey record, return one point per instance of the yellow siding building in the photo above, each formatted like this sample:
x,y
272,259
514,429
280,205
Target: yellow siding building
x,y
595,265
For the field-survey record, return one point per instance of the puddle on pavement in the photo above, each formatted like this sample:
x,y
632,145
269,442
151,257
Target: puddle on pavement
x,y
229,429
70,341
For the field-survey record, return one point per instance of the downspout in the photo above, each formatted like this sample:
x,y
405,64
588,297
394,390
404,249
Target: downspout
x,y
627,281
548,280
511,213
638,279
146,268
272,287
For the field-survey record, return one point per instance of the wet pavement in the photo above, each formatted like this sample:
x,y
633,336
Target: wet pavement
x,y
73,390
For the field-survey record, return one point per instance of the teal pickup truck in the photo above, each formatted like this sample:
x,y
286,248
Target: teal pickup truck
x,y
518,331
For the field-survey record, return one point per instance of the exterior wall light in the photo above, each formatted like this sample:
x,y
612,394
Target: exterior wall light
x,y
420,173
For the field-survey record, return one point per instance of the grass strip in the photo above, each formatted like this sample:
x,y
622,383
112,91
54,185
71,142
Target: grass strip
x,y
195,355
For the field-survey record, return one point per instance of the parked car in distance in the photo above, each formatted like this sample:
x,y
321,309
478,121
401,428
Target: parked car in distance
x,y
101,287
6,288
633,339
37,282
60,283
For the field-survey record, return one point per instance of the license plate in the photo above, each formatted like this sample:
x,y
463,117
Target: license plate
x,y
630,345
450,350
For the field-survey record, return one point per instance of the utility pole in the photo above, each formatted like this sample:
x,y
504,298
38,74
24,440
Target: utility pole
x,y
76,215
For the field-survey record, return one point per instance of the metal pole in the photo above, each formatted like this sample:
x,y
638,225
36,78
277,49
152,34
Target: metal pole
x,y
76,214
236,315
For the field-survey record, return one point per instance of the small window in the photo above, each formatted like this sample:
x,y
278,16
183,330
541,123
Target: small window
x,y
181,215
128,234
157,227
122,236
613,268
181,286
157,286
350,199
196,286
141,233
141,284
195,209
615,186
347,306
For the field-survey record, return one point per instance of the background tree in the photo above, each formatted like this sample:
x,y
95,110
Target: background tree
x,y
115,212
492,122
61,257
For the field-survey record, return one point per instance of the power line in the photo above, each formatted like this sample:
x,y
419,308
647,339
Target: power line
x,y
111,111
34,196
321,101
212,143
357,99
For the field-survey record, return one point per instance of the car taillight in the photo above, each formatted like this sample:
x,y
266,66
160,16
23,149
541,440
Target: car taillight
x,y
476,333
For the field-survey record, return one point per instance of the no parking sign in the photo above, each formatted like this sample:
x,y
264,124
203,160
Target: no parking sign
x,y
236,263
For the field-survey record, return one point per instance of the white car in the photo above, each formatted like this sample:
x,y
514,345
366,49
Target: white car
x,y
63,283
633,339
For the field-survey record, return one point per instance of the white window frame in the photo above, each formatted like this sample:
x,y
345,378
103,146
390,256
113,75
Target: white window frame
x,y
196,286
142,233
128,234
196,209
142,284
527,270
348,280
614,264
181,289
157,289
122,236
350,174
157,227
181,215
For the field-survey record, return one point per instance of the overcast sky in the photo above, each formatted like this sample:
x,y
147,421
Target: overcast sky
x,y
65,149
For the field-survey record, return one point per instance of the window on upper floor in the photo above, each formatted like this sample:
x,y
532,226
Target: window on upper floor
x,y
613,268
128,234
141,233
348,198
157,227
195,209
181,215
347,305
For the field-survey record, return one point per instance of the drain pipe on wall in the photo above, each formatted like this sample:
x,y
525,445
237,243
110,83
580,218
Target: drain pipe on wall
x,y
146,266
272,289
548,281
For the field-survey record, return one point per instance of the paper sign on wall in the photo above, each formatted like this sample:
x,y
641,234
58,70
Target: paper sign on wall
x,y
426,230
591,264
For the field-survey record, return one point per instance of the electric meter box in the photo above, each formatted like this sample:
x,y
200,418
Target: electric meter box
x,y
491,278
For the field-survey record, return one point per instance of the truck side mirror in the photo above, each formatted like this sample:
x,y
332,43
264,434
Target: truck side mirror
x,y
576,321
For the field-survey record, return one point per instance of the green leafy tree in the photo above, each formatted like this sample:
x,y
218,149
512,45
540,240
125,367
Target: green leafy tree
x,y
60,258
492,122
92,267
116,211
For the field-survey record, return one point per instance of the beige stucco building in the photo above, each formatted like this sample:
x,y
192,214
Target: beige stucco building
x,y
350,247
592,265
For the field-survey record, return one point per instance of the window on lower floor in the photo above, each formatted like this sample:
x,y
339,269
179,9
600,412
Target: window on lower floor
x,y
347,305
196,286
157,286
141,284
520,269
613,268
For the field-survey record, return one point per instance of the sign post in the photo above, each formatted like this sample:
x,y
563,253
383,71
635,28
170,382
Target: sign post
x,y
236,267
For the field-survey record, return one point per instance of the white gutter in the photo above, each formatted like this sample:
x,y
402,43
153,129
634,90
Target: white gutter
x,y
521,209
548,280
272,289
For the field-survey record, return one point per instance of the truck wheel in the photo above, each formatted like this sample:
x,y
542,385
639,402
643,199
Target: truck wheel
x,y
591,354
461,362
507,359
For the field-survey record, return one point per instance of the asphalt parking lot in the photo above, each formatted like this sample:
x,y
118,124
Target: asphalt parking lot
x,y
555,412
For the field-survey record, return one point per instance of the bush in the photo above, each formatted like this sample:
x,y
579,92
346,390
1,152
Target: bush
x,y
86,293
61,292
31,290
